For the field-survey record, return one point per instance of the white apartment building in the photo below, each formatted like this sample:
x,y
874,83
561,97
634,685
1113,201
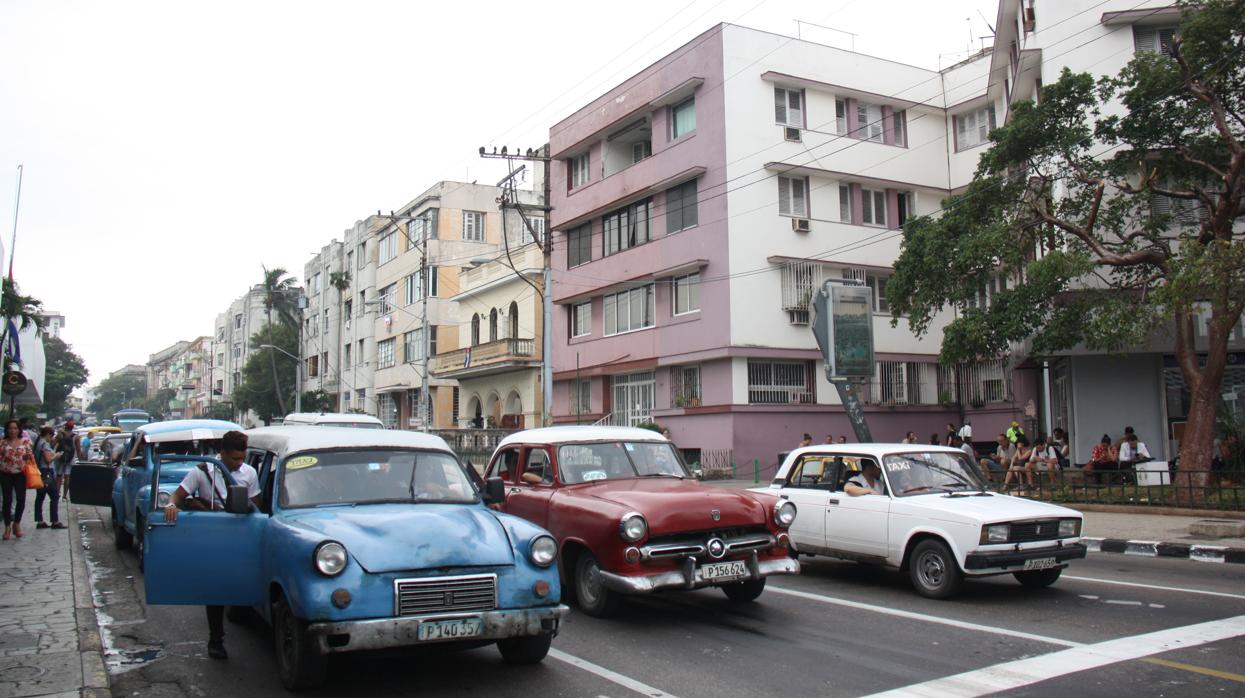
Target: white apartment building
x,y
231,342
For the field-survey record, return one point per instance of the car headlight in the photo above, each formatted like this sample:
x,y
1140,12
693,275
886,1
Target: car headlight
x,y
996,533
1069,528
632,527
162,499
543,550
784,513
330,558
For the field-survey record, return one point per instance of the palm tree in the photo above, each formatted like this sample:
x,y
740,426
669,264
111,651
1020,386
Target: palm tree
x,y
339,280
281,295
23,311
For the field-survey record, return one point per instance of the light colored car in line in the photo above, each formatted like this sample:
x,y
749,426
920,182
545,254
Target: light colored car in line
x,y
333,419
935,519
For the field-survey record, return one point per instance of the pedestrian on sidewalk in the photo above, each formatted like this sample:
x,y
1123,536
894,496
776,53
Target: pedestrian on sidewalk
x,y
14,452
46,457
67,444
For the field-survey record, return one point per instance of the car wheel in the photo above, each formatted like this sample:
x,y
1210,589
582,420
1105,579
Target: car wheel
x,y
1038,579
743,592
298,662
140,546
592,596
934,571
120,537
525,650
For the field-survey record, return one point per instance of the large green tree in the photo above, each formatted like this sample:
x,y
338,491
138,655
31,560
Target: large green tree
x,y
1109,228
65,371
116,392
281,298
259,391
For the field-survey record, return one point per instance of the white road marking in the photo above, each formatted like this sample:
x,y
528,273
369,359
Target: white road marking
x,y
1088,596
1157,605
1025,672
1154,586
922,617
613,676
1123,603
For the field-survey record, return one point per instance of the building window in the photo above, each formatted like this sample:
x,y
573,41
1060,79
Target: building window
x,y
628,310
789,107
1154,39
627,227
641,150
350,260
780,382
579,246
973,128
799,280
793,196
581,396
906,383
313,366
1181,211
388,247
987,291
873,207
359,355
685,386
877,282
492,325
412,288
473,226
903,202
424,227
681,212
387,410
475,329
686,293
413,346
869,124
385,353
845,203
432,340
362,254
237,350
348,312
683,118
237,322
581,319
387,299
840,117
900,126
513,329
578,169
633,398
346,354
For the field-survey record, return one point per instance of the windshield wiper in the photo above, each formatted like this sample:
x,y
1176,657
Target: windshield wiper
x,y
661,475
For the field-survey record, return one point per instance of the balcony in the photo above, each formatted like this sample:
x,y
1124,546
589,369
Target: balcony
x,y
486,359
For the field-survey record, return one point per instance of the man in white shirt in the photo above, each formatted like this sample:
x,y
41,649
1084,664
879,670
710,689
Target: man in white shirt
x,y
966,432
1044,458
867,481
205,489
1133,452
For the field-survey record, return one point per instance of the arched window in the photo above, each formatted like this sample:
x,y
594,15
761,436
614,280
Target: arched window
x,y
514,320
475,329
492,325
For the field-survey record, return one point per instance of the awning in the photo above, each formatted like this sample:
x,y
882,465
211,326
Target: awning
x,y
400,387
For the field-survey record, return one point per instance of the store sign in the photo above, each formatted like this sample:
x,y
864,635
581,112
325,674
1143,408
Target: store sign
x,y
842,322
14,383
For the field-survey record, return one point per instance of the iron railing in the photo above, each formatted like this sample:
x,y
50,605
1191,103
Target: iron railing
x,y
473,445
1223,489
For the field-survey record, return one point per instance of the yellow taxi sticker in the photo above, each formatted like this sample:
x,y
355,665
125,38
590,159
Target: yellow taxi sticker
x,y
301,462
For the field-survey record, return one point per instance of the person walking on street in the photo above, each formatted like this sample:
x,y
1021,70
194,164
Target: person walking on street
x,y
14,452
46,457
67,444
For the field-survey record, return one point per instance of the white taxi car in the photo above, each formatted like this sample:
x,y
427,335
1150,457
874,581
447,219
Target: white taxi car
x,y
935,519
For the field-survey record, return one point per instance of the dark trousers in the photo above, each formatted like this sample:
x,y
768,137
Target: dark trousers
x,y
14,486
51,493
216,623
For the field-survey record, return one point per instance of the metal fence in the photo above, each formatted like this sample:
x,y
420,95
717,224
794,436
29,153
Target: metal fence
x,y
1223,490
716,463
475,445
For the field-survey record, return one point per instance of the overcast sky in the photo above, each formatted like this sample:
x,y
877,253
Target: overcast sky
x,y
171,148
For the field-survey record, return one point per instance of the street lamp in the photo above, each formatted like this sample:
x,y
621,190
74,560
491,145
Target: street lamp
x,y
298,375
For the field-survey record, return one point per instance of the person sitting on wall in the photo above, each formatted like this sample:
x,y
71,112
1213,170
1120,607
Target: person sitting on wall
x,y
1102,458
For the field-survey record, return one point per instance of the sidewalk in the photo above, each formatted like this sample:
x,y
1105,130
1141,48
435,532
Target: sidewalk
x,y
49,642
1137,532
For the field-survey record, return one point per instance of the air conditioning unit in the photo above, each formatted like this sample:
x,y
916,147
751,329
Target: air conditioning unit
x,y
791,134
801,225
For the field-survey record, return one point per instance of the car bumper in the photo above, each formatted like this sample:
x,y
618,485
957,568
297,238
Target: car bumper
x,y
355,635
1007,559
685,577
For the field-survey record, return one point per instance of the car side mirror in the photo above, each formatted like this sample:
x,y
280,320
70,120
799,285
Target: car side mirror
x,y
494,491
236,501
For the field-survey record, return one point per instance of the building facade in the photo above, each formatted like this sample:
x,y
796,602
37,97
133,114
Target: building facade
x,y
231,343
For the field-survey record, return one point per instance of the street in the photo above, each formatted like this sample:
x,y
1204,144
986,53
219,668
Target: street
x,y
837,629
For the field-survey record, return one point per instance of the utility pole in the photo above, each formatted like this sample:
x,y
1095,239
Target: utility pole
x,y
510,200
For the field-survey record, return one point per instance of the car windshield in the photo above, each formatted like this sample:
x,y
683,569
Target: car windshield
x,y
132,424
933,471
322,478
618,460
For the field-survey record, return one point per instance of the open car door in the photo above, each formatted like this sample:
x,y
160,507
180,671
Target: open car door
x,y
207,558
91,483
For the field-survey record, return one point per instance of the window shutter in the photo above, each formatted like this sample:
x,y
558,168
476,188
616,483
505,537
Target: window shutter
x,y
845,204
1144,39
1164,37
798,203
795,113
780,105
784,195
840,117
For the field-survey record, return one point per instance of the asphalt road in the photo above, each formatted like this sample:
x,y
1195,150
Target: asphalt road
x,y
1113,625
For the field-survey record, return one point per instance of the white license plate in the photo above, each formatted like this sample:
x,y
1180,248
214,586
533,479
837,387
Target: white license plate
x,y
450,629
714,571
1041,563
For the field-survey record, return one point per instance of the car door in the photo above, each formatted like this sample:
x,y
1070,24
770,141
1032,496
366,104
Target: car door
x,y
206,557
857,525
135,473
528,496
505,465
808,486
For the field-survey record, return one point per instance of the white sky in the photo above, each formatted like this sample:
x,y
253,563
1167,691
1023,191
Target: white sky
x,y
171,148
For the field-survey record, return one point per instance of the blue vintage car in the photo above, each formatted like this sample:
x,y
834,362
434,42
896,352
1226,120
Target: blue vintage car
x,y
132,490
364,539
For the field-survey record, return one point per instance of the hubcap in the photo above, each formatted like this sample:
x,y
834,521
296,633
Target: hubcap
x,y
931,569
591,582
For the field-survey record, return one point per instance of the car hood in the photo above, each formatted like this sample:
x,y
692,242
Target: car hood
x,y
671,505
988,509
394,537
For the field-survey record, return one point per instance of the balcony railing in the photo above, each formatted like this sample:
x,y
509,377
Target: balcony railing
x,y
496,352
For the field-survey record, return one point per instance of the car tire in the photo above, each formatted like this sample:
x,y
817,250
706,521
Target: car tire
x,y
744,592
120,537
934,572
592,596
298,663
525,650
1038,579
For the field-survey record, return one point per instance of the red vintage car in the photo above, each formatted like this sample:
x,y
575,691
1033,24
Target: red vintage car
x,y
629,518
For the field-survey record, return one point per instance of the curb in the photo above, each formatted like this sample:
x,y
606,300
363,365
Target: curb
x,y
1152,548
91,648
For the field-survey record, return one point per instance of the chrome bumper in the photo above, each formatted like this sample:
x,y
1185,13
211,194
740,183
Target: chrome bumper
x,y
354,635
685,577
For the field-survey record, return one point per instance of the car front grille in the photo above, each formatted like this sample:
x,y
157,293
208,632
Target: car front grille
x,y
1027,531
737,540
418,597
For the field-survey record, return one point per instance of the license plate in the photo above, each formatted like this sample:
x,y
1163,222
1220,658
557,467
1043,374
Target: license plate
x,y
1041,563
450,629
714,571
